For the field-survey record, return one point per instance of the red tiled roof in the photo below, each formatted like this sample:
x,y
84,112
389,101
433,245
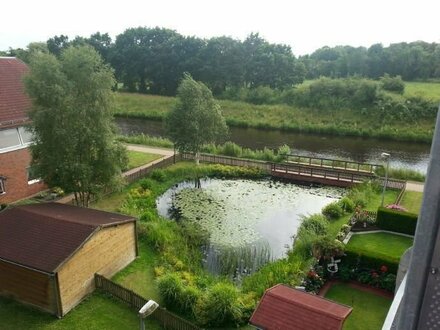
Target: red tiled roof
x,y
14,103
284,308
43,236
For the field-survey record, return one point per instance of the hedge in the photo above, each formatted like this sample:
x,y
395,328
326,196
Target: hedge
x,y
397,221
357,259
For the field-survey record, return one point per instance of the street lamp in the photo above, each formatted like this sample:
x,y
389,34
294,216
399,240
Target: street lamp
x,y
146,310
385,156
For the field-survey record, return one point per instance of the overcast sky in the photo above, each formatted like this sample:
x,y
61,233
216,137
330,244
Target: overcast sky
x,y
305,25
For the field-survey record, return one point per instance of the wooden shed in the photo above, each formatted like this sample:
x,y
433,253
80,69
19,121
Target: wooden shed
x,y
50,252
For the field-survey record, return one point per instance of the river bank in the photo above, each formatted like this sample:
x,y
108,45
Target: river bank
x,y
337,122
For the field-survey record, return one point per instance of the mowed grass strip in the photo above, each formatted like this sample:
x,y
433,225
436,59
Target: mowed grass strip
x,y
369,310
412,201
386,245
137,158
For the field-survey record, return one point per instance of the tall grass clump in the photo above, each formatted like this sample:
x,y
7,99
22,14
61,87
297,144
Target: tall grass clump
x,y
402,174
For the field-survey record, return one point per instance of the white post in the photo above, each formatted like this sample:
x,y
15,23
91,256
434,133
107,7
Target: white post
x,y
387,157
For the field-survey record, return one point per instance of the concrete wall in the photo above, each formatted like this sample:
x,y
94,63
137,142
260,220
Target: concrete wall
x,y
13,166
108,251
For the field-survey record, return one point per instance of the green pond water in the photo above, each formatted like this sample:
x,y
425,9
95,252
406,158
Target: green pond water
x,y
252,219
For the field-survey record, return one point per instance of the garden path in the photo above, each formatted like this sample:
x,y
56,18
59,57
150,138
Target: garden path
x,y
414,186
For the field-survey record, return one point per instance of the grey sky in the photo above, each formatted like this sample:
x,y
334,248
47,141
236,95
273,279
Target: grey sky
x,y
305,25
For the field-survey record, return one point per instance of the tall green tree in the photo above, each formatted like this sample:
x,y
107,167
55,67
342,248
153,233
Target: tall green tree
x,y
74,146
196,119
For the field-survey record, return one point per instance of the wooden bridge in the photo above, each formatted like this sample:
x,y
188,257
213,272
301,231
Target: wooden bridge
x,y
334,172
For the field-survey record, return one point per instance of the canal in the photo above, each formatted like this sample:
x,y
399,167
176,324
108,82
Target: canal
x,y
403,154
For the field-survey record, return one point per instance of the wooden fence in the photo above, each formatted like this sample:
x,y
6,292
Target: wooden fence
x,y
142,172
166,319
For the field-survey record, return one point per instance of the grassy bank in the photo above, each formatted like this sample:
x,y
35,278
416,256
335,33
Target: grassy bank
x,y
239,114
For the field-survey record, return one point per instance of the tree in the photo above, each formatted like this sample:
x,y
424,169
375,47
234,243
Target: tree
x,y
196,119
74,146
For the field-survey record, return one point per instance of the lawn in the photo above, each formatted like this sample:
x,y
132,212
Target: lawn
x,y
369,310
375,202
412,201
98,311
386,246
137,158
428,90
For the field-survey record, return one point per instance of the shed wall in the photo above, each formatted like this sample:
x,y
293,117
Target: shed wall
x,y
28,286
107,252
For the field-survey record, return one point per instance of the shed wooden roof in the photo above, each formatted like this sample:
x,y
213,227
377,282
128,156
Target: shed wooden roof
x,y
43,236
285,308
14,103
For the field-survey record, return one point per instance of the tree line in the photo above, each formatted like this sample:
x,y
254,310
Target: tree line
x,y
153,60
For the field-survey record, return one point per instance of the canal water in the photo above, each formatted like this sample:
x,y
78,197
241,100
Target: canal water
x,y
403,154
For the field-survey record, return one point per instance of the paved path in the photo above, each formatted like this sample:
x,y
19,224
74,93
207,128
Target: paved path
x,y
150,150
414,186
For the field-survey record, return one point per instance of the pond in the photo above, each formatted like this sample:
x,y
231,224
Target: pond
x,y
251,221
403,154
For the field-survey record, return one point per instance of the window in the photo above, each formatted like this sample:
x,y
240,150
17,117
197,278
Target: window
x,y
25,134
32,177
9,138
2,185
14,138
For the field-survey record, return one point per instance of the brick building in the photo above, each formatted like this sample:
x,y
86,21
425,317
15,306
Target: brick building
x,y
16,180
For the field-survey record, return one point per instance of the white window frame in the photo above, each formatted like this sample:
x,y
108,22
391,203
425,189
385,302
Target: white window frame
x,y
16,147
2,185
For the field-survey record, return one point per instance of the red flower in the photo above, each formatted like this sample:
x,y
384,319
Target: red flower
x,y
383,269
374,275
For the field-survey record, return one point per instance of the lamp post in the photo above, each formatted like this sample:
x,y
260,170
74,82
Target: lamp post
x,y
385,156
146,310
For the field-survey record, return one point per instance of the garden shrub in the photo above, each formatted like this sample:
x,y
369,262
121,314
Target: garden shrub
x,y
397,221
392,84
219,306
158,175
315,223
146,184
333,211
347,204
170,288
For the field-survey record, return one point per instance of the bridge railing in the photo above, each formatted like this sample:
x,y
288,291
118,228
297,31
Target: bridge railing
x,y
333,174
333,163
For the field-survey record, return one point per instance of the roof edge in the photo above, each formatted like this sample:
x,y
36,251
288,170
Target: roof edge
x,y
27,267
311,308
57,268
